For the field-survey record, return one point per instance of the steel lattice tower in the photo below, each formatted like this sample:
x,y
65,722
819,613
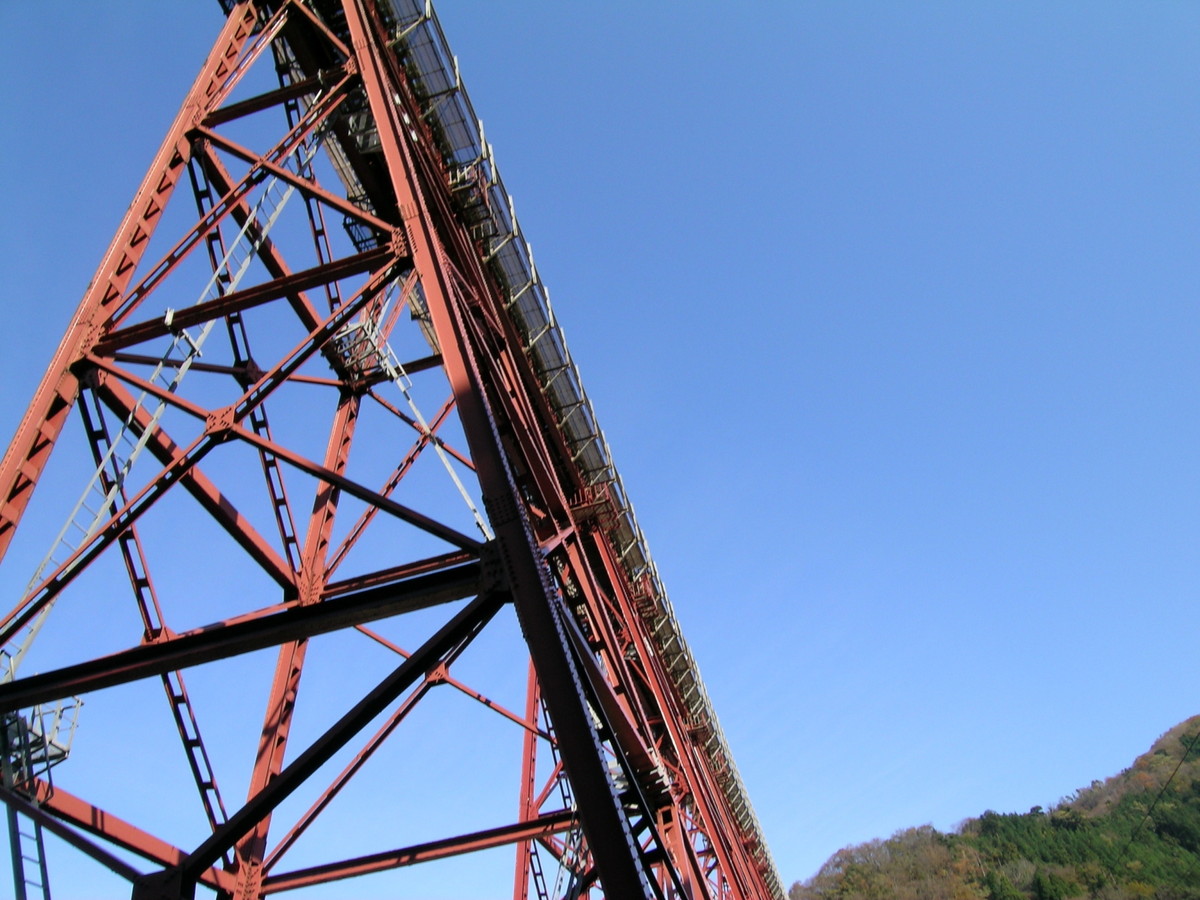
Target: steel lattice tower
x,y
330,427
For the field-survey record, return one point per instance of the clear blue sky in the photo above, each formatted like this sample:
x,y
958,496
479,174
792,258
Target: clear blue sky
x,y
889,312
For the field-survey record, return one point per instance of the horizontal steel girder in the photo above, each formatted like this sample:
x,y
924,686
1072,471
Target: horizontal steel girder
x,y
222,640
542,826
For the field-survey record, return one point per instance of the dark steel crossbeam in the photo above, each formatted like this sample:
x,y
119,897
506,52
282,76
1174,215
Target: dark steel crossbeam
x,y
354,489
382,577
221,640
450,638
246,299
271,98
547,824
535,599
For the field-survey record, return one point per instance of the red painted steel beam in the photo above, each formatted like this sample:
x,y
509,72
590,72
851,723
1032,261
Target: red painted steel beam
x,y
450,638
551,782
581,866
343,778
69,810
113,863
249,298
268,254
268,762
616,716
198,485
325,503
617,626
317,338
536,437
286,175
171,398
710,808
221,641
543,825
231,202
335,44
285,685
368,514
609,632
38,431
139,359
609,635
102,538
527,808
444,677
433,425
404,513
601,811
411,368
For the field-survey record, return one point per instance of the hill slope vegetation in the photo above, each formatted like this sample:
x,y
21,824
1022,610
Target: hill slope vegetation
x,y
1131,837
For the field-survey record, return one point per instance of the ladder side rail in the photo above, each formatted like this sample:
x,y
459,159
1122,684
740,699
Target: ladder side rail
x,y
150,610
239,341
26,846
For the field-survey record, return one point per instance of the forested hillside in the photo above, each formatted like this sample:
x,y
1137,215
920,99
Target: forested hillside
x,y
1134,836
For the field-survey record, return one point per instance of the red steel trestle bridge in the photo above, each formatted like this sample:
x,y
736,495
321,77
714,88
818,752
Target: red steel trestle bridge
x,y
330,426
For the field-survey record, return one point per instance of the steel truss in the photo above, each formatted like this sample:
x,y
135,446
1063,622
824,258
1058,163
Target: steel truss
x,y
348,218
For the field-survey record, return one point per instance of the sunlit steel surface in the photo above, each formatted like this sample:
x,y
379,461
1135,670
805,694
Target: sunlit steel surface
x,y
652,803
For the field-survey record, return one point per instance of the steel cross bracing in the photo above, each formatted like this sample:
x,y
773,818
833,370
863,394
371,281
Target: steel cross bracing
x,y
340,355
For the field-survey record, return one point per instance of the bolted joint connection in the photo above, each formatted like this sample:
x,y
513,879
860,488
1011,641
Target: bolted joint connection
x,y
493,576
219,424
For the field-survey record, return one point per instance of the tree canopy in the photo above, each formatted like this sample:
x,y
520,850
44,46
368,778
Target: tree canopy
x,y
1131,837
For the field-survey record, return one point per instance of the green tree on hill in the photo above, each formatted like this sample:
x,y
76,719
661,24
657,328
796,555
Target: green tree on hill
x,y
1135,836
